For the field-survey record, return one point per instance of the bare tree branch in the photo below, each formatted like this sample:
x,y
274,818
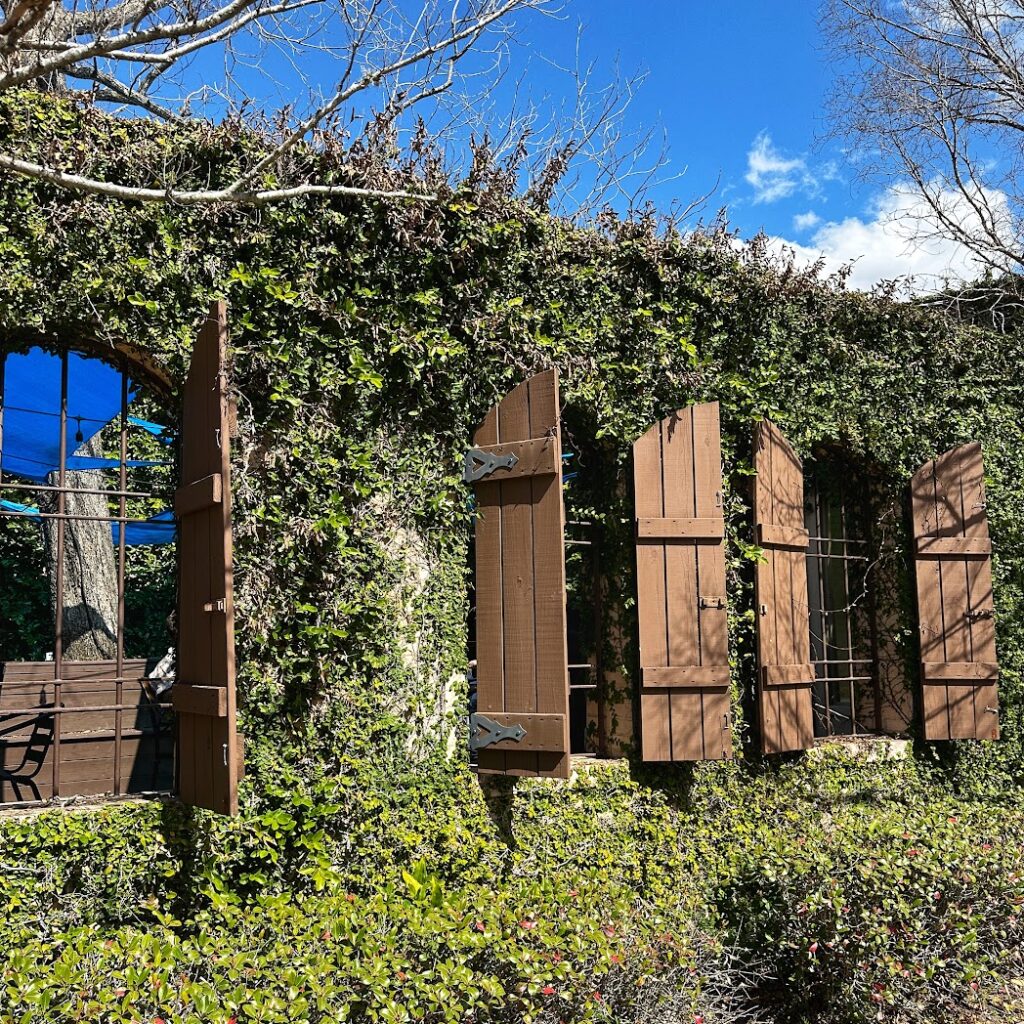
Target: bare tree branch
x,y
138,54
933,91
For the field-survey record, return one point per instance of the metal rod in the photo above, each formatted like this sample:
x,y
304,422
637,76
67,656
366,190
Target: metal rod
x,y
821,609
843,679
85,710
845,530
602,733
58,641
77,490
122,510
60,517
837,540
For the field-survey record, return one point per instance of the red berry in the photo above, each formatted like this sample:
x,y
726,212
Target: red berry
x,y
548,990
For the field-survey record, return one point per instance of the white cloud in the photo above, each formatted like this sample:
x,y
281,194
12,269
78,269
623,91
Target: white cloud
x,y
806,221
886,244
774,176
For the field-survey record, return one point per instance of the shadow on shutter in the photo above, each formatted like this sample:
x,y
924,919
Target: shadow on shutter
x,y
681,608
785,676
209,749
953,563
522,662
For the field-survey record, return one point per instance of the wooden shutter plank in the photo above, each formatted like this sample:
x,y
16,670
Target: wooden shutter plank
x,y
687,676
681,583
938,672
953,587
714,622
929,589
655,708
696,530
783,633
490,653
954,590
517,557
551,640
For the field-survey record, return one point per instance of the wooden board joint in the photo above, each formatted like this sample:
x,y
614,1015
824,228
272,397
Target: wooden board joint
x,y
198,496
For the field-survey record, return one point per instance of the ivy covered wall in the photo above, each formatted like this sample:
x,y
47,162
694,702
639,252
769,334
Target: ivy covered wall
x,y
368,341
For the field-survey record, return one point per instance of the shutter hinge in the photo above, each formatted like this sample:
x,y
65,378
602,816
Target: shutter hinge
x,y
215,606
478,464
712,602
484,731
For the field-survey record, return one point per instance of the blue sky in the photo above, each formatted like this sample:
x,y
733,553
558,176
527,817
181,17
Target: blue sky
x,y
740,89
730,83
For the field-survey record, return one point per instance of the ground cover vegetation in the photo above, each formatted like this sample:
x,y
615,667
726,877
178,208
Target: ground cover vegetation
x,y
370,876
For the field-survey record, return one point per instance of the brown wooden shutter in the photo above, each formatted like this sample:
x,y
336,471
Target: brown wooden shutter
x,y
522,662
204,693
952,556
785,677
681,608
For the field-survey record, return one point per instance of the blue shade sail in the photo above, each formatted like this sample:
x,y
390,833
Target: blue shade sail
x,y
31,406
165,434
158,529
13,506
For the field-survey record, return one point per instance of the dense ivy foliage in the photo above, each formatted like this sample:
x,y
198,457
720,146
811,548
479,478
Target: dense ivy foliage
x,y
368,340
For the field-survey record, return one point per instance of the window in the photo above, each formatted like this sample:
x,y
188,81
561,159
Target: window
x,y
87,543
842,625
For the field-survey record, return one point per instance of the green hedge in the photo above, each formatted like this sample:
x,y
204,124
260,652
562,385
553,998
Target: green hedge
x,y
794,895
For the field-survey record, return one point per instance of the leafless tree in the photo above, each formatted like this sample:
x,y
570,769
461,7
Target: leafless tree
x,y
932,92
156,58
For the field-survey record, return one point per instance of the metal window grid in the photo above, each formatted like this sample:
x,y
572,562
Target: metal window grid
x,y
52,713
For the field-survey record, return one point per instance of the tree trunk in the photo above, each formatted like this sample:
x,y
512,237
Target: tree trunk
x,y
89,596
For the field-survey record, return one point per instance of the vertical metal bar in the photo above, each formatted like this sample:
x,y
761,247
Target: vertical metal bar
x,y
58,632
844,530
823,563
122,530
602,705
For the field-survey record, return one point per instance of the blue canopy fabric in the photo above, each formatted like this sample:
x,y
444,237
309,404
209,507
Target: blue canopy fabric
x,y
158,529
31,402
13,506
165,434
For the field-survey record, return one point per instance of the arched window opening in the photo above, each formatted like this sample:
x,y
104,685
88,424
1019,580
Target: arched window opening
x,y
87,544
852,582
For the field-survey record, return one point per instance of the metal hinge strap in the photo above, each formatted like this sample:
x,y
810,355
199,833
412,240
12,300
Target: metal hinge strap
x,y
484,731
478,464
